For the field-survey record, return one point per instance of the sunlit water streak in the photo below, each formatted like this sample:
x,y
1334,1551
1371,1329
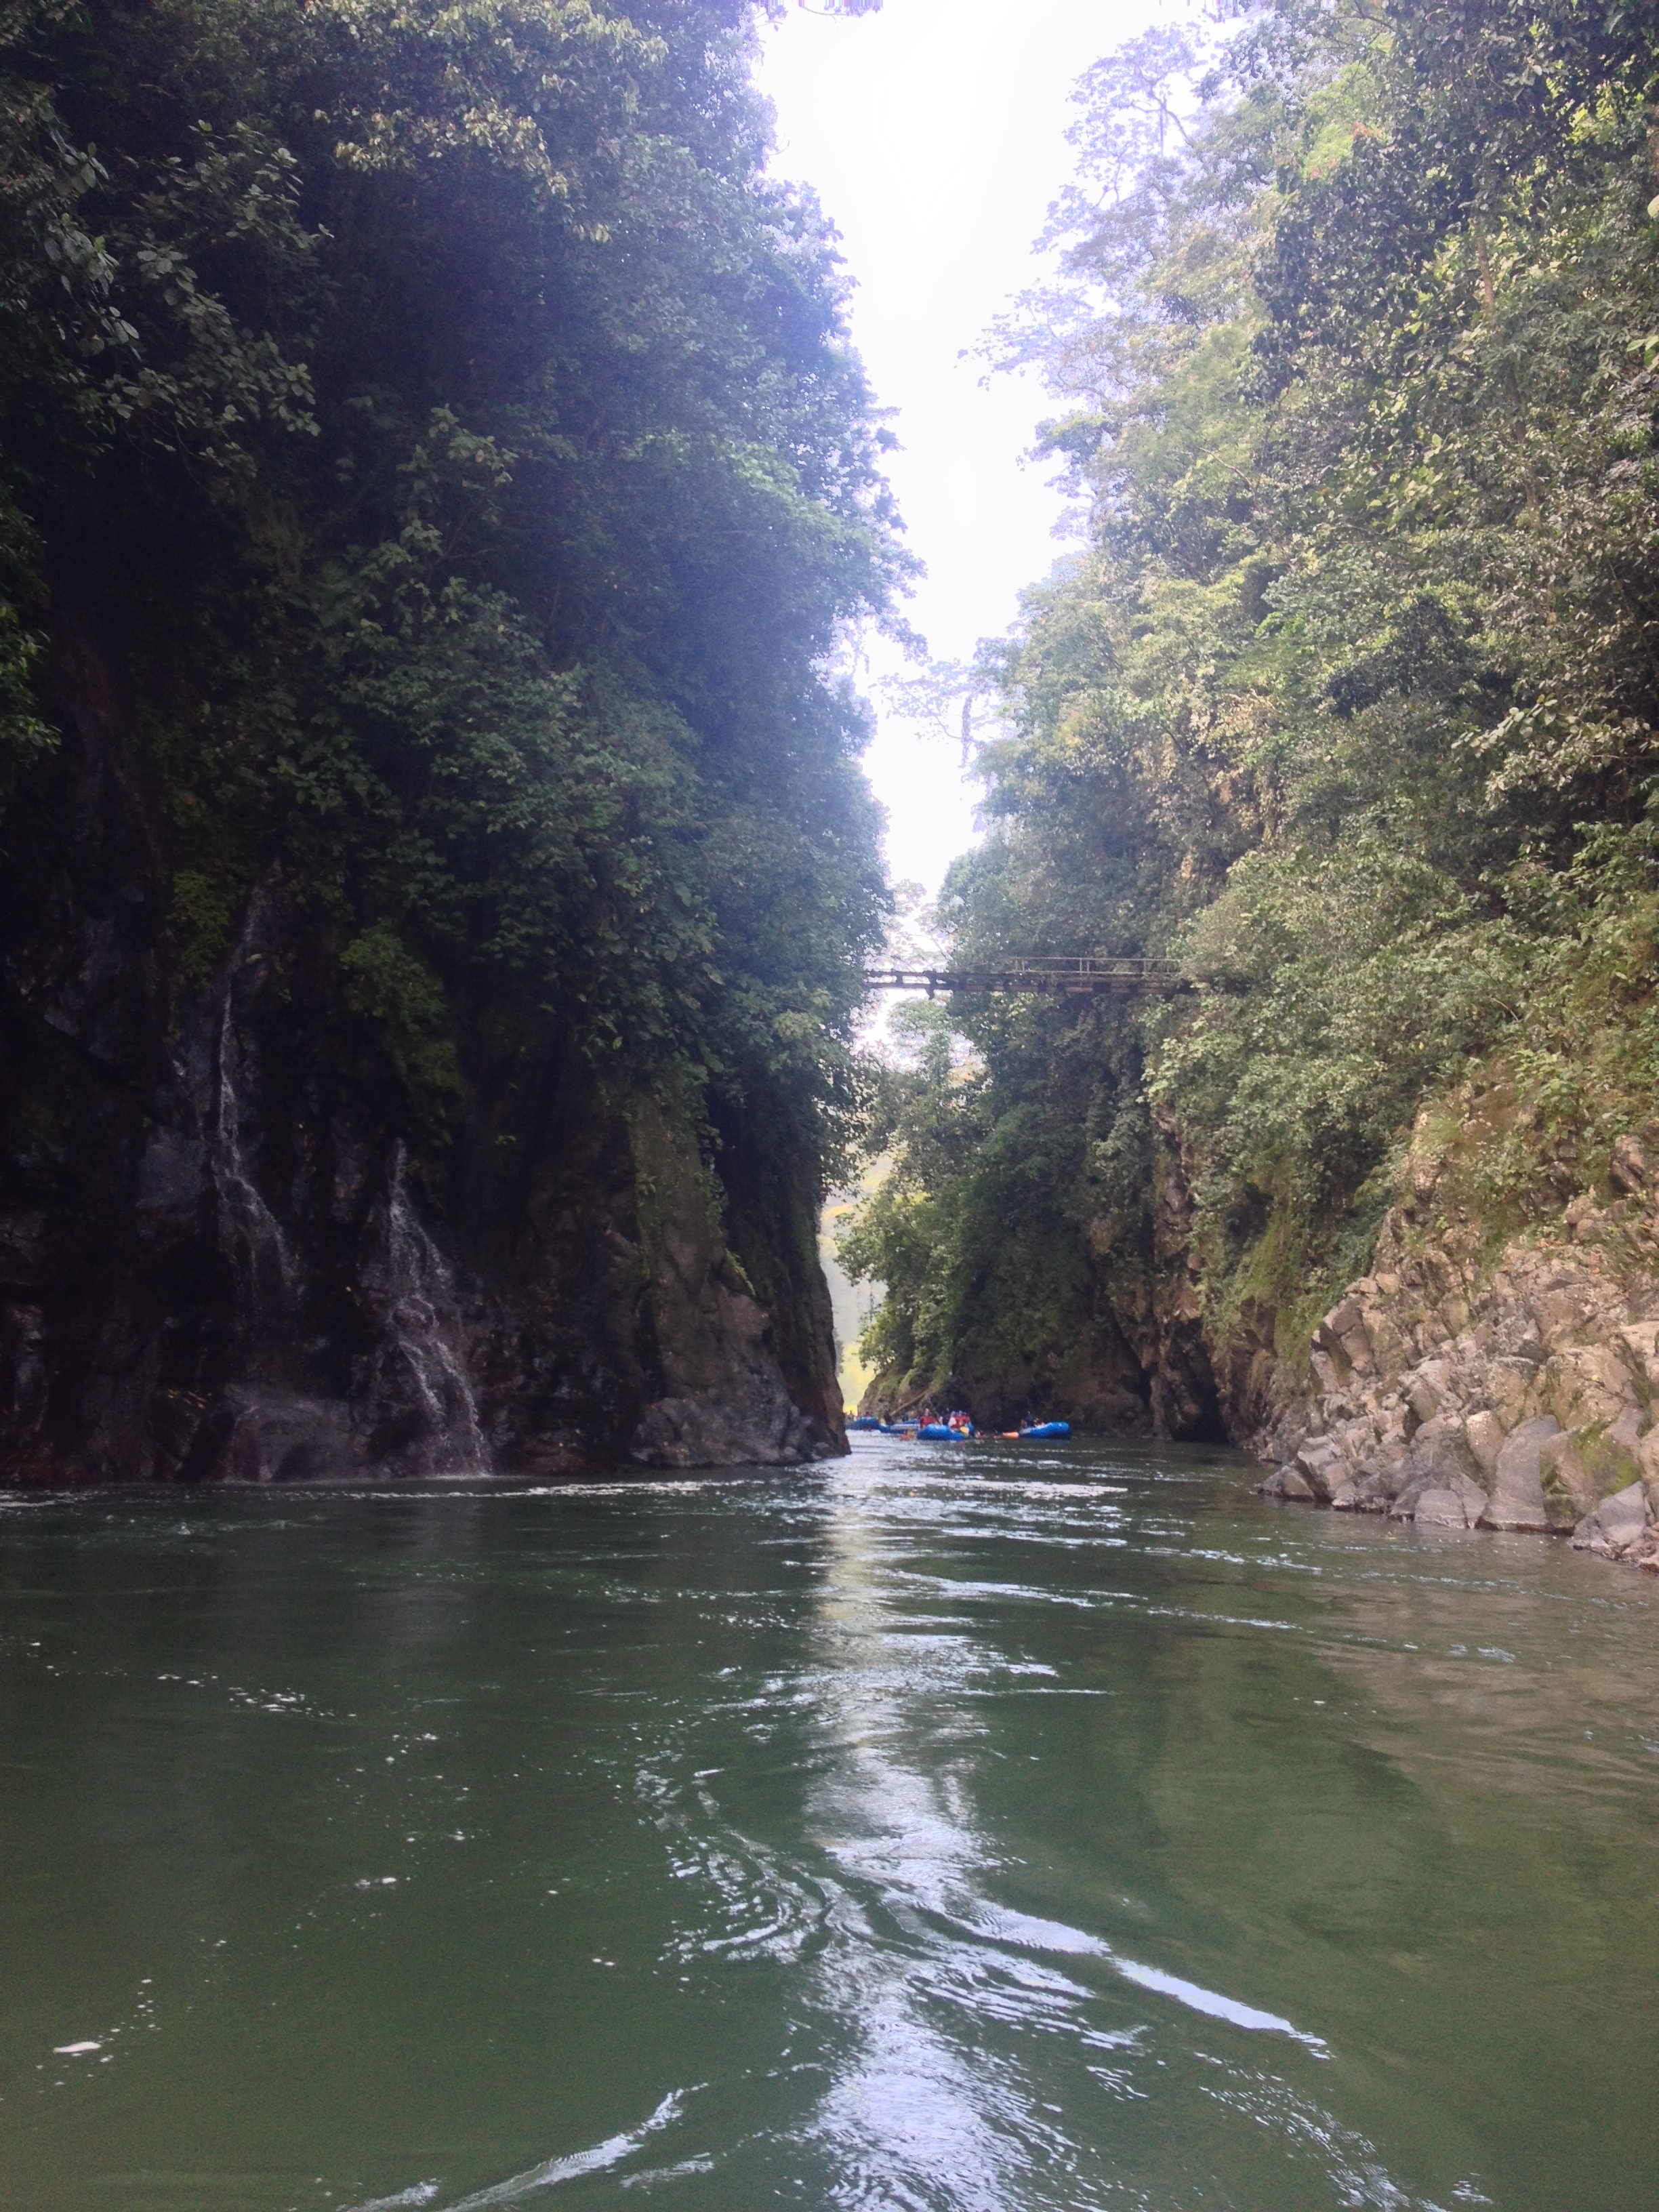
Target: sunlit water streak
x,y
960,1829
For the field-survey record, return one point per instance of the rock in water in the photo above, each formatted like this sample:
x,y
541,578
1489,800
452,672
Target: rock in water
x,y
1440,1509
1617,1525
1517,1495
1459,1505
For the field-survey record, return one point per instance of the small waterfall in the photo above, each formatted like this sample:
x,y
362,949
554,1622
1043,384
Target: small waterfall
x,y
251,1234
423,1379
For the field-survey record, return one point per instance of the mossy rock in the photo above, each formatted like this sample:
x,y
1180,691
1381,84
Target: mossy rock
x,y
1580,1468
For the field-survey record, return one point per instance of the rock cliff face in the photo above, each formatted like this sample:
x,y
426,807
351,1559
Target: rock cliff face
x,y
1468,1389
218,1258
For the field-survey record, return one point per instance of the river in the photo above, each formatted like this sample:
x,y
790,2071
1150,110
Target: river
x,y
979,1829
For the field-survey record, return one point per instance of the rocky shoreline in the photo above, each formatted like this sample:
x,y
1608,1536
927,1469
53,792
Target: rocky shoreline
x,y
1518,1392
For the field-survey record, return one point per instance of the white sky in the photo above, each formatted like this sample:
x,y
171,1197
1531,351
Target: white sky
x,y
935,135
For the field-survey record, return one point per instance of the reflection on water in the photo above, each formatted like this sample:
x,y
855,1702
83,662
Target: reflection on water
x,y
973,1829
940,2099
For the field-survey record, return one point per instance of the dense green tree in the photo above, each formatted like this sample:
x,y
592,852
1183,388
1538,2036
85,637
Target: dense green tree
x,y
448,431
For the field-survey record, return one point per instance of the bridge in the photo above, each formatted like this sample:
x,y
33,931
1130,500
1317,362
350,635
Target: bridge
x,y
1085,978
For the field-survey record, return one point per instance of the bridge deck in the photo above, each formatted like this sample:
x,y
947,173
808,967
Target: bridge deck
x,y
1081,977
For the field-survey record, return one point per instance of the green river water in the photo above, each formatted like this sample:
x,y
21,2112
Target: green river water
x,y
977,1828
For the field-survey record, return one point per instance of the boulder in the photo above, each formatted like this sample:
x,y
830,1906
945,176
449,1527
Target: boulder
x,y
1571,1307
1510,1385
1458,1505
1440,1452
1454,1314
1647,1466
1517,1495
1385,1468
1356,1437
1440,1509
1387,1339
1292,1483
1613,1455
1325,1467
1586,1385
1639,1342
1328,1377
1629,1167
1426,1391
1372,1492
1390,1421
1484,1433
1568,1486
1423,1399
1342,1334
1581,1467
1585,1219
1350,1477
1474,1495
1617,1525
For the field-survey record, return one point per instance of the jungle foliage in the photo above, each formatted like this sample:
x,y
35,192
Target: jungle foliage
x,y
447,430
1350,700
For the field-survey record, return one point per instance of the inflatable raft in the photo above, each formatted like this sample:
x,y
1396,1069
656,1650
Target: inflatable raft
x,y
936,1433
931,1432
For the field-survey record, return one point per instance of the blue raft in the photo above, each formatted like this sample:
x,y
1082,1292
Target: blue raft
x,y
932,1432
936,1433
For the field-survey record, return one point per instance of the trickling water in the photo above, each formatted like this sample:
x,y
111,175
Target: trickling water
x,y
412,1289
248,1229
953,1829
